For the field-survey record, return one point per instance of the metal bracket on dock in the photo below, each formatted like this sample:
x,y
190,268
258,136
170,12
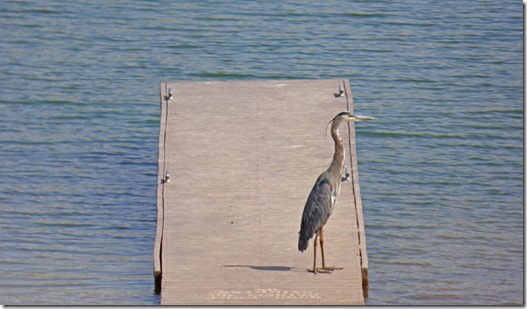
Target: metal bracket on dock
x,y
169,95
167,177
341,92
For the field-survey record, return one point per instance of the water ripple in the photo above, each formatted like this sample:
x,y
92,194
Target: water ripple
x,y
441,172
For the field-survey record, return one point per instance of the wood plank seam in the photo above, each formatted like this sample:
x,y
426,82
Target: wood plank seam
x,y
356,192
163,185
352,165
158,247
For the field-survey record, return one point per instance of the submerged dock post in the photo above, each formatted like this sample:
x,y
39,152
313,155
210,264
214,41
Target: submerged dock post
x,y
237,160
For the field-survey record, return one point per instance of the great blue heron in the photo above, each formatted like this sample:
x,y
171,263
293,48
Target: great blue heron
x,y
322,198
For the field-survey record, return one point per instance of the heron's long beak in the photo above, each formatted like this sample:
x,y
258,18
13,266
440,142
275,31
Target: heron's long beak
x,y
360,118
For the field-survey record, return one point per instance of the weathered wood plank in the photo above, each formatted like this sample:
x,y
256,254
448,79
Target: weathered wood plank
x,y
243,157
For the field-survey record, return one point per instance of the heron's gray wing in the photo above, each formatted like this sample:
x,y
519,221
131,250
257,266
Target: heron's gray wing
x,y
316,212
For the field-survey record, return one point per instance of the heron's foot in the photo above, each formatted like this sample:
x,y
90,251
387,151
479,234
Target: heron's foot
x,y
319,271
332,268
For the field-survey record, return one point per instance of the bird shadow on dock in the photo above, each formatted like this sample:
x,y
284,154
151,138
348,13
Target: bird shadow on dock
x,y
265,268
278,268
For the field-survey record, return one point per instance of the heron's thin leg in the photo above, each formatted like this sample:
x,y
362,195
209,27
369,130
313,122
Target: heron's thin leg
x,y
315,243
321,240
315,254
322,246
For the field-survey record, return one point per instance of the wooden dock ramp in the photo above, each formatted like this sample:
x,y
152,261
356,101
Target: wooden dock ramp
x,y
242,157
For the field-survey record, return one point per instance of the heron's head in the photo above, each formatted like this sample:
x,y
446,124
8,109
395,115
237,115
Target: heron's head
x,y
347,116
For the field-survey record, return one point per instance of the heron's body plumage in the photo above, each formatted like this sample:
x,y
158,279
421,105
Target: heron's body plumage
x,y
316,213
321,200
323,195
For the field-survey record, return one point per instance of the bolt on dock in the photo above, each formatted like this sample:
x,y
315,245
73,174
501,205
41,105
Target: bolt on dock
x,y
237,160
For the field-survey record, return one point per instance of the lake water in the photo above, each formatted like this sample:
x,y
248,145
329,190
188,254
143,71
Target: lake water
x,y
441,171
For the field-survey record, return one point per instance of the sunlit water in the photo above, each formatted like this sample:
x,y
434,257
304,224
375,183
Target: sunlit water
x,y
441,171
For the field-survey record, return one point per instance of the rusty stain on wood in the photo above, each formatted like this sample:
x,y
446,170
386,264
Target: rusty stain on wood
x,y
243,157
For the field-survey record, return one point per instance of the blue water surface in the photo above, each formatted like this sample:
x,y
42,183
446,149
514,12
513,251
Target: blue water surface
x,y
441,172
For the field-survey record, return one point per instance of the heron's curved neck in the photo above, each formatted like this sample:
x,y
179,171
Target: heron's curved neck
x,y
338,158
